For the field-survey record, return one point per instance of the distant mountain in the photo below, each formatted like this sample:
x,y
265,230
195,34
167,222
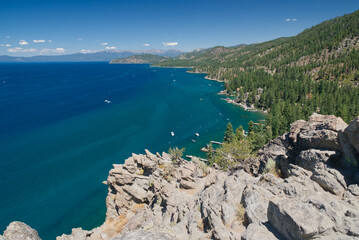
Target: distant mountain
x,y
145,58
87,57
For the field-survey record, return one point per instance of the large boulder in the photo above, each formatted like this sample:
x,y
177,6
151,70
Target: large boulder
x,y
20,231
257,231
349,141
321,132
330,179
310,159
141,235
352,133
297,220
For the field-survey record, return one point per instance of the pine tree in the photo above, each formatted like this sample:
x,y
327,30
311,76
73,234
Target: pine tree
x,y
240,133
250,127
210,154
229,135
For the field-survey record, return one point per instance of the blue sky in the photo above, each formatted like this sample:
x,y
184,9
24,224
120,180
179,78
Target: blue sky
x,y
49,27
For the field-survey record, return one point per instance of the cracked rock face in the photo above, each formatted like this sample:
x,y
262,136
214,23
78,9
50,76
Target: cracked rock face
x,y
318,197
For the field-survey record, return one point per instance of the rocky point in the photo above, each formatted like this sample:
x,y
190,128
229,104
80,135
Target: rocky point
x,y
315,195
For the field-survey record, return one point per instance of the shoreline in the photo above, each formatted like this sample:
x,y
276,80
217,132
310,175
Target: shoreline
x,y
224,92
228,100
242,105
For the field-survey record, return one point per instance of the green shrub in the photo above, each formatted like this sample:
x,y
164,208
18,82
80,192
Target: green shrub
x,y
176,154
232,153
271,167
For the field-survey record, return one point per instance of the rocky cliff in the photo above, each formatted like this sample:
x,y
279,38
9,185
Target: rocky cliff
x,y
315,196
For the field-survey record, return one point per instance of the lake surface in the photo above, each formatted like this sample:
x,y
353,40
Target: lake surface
x,y
59,139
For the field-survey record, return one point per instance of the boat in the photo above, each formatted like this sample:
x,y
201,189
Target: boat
x,y
107,101
172,133
197,134
193,140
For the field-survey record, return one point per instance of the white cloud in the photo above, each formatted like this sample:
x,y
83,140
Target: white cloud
x,y
146,44
166,44
104,44
110,48
87,51
23,42
7,45
50,41
80,39
19,49
39,41
48,50
59,50
291,20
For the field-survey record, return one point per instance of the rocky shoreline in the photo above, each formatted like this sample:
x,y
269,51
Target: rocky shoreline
x,y
242,104
316,195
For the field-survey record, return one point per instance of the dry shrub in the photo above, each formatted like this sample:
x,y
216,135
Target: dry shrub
x,y
241,211
271,167
138,206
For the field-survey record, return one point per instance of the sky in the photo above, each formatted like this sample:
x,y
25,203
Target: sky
x,y
49,27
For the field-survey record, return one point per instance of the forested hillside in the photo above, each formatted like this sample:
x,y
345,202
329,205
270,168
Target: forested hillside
x,y
315,71
145,58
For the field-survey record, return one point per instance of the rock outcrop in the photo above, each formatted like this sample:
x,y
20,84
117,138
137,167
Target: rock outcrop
x,y
316,197
20,231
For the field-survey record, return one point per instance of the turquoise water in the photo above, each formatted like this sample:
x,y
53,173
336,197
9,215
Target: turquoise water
x,y
59,139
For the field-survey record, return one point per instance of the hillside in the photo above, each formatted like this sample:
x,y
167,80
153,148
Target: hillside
x,y
145,58
315,71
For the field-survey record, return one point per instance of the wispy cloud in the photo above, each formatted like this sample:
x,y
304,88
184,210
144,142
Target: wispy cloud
x,y
23,42
50,41
291,20
7,36
104,43
110,48
80,39
146,44
166,44
39,41
88,51
7,45
49,50
19,49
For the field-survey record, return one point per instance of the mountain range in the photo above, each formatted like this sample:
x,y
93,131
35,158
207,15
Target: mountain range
x,y
87,57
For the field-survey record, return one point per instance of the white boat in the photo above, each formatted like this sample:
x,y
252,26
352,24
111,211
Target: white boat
x,y
107,101
197,134
172,133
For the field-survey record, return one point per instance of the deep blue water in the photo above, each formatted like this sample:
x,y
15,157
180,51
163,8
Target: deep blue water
x,y
59,139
